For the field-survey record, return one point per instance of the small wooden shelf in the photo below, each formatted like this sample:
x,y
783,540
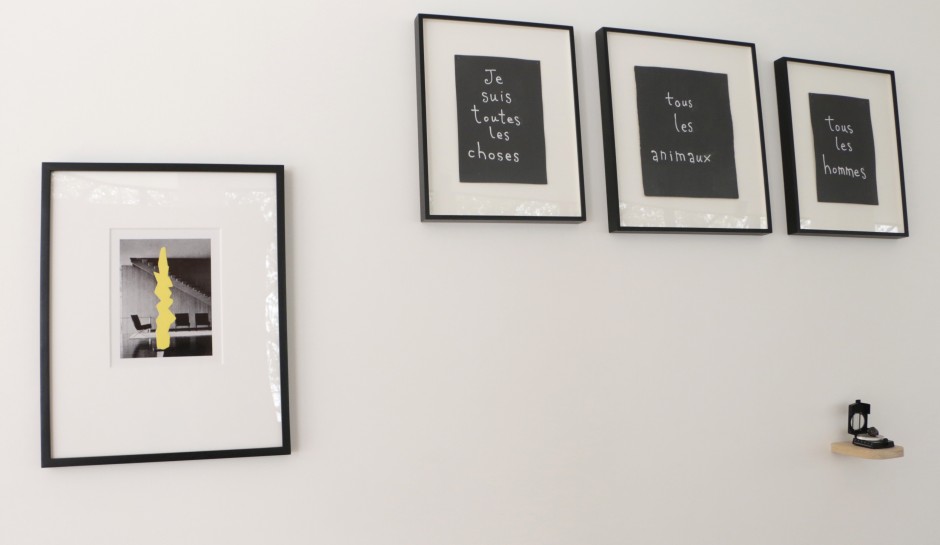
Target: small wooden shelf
x,y
848,449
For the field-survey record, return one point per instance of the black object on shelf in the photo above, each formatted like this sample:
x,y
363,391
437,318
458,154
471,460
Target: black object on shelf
x,y
865,436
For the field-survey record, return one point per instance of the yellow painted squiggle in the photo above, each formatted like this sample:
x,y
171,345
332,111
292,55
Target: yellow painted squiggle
x,y
165,318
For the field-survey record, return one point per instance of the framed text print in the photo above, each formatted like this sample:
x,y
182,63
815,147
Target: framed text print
x,y
498,120
683,136
841,150
163,332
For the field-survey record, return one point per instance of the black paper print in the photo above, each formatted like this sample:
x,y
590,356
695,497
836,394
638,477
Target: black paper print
x,y
686,133
500,124
845,149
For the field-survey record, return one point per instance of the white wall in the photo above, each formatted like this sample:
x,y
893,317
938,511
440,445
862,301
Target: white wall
x,y
467,384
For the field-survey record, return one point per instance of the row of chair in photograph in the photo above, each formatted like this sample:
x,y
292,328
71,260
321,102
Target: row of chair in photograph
x,y
182,322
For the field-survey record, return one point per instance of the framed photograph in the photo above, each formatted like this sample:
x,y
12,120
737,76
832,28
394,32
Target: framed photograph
x,y
683,136
841,143
163,333
500,136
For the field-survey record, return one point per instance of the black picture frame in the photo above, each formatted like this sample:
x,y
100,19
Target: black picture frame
x,y
447,192
657,182
87,205
857,191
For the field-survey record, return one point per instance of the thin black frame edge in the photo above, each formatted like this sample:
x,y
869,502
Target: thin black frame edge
x,y
788,143
166,457
422,16
425,205
282,311
607,127
50,167
422,118
577,122
763,144
44,270
46,459
607,123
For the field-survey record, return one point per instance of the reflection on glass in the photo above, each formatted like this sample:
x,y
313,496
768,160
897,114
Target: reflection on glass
x,y
474,205
83,186
657,216
272,326
264,200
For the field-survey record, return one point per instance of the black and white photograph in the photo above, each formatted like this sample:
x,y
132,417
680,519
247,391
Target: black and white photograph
x,y
841,144
166,297
498,120
683,135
